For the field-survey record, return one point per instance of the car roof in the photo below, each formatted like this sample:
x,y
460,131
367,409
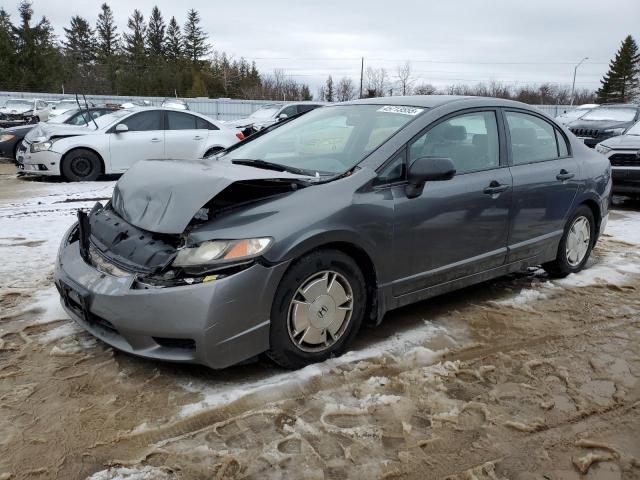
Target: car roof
x,y
434,101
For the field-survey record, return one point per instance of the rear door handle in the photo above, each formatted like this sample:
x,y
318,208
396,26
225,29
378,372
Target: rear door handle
x,y
564,175
155,140
198,137
495,188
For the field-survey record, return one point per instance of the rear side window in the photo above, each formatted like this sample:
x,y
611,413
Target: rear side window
x,y
532,139
144,121
180,121
470,140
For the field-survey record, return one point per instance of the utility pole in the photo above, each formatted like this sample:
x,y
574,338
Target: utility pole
x,y
573,86
361,74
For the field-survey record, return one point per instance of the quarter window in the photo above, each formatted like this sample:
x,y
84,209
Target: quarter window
x,y
471,141
394,171
144,121
532,139
202,124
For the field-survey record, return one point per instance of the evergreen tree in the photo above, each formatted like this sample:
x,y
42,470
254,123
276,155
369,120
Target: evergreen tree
x,y
195,38
134,46
7,50
156,33
305,93
80,43
108,44
328,90
173,41
620,84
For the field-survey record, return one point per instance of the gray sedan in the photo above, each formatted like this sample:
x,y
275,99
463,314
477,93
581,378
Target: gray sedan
x,y
287,243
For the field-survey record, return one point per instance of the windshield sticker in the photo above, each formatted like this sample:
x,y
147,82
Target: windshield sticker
x,y
413,111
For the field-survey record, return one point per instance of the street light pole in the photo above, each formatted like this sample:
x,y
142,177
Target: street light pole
x,y
573,86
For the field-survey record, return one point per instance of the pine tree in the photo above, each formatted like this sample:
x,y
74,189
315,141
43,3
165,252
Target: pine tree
x,y
195,38
328,90
134,42
108,44
173,41
80,42
620,84
7,50
305,93
156,33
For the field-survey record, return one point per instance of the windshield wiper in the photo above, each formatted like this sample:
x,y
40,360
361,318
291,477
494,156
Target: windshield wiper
x,y
269,166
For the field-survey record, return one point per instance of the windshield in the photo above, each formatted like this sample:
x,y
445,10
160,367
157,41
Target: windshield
x,y
265,112
108,119
18,103
610,113
63,117
635,130
329,140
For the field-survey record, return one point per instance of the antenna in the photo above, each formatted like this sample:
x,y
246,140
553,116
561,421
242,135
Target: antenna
x,y
80,108
88,113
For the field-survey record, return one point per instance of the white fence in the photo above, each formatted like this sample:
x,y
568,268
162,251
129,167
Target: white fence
x,y
219,108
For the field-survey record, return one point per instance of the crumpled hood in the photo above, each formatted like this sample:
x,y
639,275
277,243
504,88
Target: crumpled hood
x,y
163,196
623,142
44,131
14,111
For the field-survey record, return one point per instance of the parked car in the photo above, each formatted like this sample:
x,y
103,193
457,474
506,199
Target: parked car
x,y
121,139
23,110
623,152
580,111
270,114
286,243
175,103
604,122
66,104
11,138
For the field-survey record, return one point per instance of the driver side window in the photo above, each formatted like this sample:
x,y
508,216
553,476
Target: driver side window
x,y
469,140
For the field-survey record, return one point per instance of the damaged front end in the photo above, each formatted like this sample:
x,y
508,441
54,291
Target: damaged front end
x,y
147,234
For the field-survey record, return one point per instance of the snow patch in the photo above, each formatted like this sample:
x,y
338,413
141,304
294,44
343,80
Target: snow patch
x,y
125,473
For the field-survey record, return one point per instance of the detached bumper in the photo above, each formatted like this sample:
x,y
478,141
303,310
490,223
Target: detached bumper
x,y
216,324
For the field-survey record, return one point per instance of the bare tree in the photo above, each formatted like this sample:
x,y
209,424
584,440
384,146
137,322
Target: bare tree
x,y
425,89
405,80
377,82
345,90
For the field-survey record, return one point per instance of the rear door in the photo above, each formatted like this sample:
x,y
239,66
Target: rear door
x,y
143,141
458,227
185,136
545,183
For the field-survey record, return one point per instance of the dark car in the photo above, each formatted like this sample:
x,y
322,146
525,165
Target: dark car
x,y
286,243
624,154
604,122
10,138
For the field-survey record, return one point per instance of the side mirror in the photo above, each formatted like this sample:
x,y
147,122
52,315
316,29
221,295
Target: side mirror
x,y
121,127
428,169
282,116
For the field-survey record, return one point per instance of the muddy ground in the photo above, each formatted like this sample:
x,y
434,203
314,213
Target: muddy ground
x,y
521,378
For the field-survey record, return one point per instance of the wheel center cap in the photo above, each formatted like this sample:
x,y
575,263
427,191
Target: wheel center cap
x,y
322,311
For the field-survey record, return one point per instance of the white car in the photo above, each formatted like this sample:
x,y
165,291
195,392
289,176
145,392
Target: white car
x,y
30,109
580,111
270,114
114,142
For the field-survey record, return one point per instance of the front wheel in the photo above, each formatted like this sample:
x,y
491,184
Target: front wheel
x,y
80,166
576,244
318,309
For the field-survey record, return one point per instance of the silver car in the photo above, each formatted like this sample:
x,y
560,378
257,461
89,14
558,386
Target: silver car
x,y
288,242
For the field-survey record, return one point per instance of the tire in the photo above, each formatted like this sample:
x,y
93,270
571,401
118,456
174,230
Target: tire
x,y
288,346
81,165
569,260
212,151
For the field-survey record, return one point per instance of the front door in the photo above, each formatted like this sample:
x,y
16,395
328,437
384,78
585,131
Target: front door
x,y
144,140
457,227
545,183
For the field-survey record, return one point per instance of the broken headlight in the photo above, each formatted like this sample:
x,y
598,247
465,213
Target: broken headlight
x,y
41,146
219,251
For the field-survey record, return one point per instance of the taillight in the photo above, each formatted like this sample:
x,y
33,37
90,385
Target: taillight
x,y
240,135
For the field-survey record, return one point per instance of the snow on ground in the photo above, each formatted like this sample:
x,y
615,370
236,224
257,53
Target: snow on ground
x,y
124,473
624,225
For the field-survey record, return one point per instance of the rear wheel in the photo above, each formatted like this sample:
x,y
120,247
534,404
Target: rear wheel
x,y
576,244
318,308
212,151
80,166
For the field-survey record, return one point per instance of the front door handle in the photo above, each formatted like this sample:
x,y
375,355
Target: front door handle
x,y
495,188
564,175
155,140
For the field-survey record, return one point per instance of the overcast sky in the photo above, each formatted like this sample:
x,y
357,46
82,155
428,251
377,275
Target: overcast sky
x,y
454,41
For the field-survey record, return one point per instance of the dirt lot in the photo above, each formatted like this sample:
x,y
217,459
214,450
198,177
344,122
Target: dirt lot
x,y
522,378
